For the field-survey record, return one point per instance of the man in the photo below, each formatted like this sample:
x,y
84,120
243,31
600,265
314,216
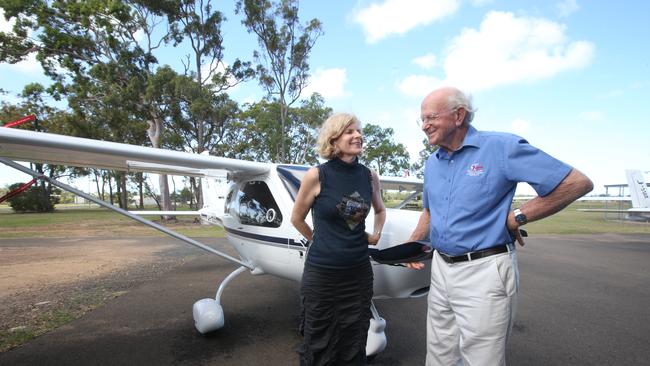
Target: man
x,y
469,183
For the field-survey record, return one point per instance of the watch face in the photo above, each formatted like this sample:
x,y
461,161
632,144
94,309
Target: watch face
x,y
521,218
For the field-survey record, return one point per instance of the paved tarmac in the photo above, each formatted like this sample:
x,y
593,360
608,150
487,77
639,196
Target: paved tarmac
x,y
584,300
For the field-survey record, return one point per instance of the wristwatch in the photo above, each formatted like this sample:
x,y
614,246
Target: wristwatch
x,y
520,217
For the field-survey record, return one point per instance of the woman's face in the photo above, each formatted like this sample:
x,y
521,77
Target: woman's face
x,y
350,142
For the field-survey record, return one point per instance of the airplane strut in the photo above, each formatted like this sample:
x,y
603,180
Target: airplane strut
x,y
141,220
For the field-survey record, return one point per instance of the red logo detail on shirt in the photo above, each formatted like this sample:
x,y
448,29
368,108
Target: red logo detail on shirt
x,y
475,170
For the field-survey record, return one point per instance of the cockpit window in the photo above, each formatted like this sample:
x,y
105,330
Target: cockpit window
x,y
291,176
254,205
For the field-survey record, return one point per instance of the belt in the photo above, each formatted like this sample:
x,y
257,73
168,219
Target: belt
x,y
475,255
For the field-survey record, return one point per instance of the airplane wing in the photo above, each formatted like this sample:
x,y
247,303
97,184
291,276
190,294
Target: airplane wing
x,y
170,213
628,211
49,148
401,183
604,198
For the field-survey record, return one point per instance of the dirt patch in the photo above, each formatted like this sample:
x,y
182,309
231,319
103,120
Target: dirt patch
x,y
45,283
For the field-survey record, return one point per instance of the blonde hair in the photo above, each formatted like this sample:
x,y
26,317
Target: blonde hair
x,y
331,130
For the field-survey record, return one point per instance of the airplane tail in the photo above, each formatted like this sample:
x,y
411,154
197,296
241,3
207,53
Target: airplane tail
x,y
638,189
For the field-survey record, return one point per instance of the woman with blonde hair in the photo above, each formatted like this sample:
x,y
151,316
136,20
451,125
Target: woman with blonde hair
x,y
336,287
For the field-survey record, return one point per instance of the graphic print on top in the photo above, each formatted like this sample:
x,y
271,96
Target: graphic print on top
x,y
353,209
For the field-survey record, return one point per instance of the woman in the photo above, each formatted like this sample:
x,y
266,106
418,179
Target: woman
x,y
336,286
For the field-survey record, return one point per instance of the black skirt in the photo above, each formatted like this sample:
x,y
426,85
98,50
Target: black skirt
x,y
335,315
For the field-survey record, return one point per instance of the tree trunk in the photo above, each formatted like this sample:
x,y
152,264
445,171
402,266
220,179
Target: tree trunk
x,y
192,195
110,187
175,203
155,134
163,185
118,192
100,194
104,186
124,193
140,178
283,118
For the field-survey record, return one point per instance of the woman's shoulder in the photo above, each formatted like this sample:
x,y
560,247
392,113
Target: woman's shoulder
x,y
312,175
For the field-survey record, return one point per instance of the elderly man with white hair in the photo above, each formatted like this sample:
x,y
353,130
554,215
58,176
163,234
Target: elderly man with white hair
x,y
469,183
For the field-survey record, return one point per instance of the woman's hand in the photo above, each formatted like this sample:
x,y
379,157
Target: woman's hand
x,y
415,265
373,239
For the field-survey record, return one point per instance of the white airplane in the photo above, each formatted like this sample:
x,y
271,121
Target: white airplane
x,y
255,213
639,196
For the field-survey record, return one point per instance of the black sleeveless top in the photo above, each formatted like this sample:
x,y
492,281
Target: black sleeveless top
x,y
339,213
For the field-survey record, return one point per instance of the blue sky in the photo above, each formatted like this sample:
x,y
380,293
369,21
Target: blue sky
x,y
570,76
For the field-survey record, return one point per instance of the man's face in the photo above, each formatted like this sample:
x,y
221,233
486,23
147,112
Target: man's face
x,y
439,122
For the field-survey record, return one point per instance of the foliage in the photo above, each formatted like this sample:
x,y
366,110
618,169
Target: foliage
x,y
418,166
257,135
34,199
48,119
382,153
282,64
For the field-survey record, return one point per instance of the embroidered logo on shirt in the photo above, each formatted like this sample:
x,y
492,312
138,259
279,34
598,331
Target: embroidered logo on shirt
x,y
353,208
475,170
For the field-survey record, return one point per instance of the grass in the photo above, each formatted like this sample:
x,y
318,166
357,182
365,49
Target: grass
x,y
93,222
572,221
46,320
101,222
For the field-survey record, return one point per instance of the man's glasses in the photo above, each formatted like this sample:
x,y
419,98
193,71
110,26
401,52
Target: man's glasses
x,y
429,119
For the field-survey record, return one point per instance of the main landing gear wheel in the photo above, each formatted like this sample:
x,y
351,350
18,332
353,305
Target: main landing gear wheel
x,y
376,341
208,313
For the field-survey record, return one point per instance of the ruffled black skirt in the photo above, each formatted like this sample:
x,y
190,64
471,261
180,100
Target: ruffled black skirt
x,y
335,315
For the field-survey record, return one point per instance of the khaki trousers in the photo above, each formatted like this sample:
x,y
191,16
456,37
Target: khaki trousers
x,y
471,308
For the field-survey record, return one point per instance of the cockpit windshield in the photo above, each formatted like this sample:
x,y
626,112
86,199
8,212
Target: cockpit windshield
x,y
291,176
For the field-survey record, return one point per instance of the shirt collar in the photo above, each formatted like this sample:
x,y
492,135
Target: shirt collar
x,y
472,138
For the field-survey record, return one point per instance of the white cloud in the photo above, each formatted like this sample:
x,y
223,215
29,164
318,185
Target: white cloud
x,y
418,85
139,35
330,83
479,3
566,7
507,49
520,126
6,25
29,66
394,17
592,116
426,62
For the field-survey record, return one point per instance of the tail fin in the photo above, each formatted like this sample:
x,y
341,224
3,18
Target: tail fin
x,y
638,189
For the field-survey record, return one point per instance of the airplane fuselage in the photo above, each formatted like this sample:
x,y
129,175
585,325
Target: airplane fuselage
x,y
256,219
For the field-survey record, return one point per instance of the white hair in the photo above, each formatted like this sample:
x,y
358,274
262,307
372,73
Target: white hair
x,y
458,99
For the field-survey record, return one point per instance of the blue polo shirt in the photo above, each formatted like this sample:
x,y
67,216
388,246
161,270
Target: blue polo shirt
x,y
469,193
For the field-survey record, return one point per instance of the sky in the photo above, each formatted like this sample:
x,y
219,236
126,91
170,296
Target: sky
x,y
570,76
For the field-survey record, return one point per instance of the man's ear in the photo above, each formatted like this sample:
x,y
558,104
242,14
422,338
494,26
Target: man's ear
x,y
460,117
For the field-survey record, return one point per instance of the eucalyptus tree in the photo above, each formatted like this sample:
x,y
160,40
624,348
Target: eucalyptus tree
x,y
285,44
258,135
382,153
100,56
303,129
427,150
33,101
196,25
